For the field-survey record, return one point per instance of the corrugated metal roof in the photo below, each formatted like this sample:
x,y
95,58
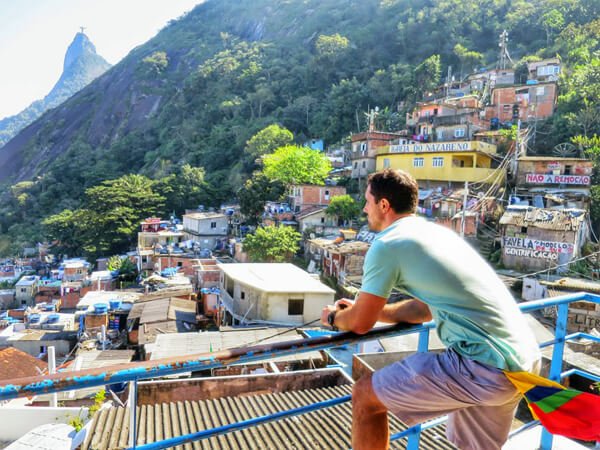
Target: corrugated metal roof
x,y
328,428
546,219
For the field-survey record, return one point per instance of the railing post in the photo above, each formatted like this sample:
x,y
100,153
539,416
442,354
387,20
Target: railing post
x,y
414,438
423,346
132,401
557,360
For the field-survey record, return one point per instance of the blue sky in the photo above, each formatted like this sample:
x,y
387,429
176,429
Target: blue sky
x,y
35,34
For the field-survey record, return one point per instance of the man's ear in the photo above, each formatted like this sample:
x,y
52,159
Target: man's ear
x,y
385,205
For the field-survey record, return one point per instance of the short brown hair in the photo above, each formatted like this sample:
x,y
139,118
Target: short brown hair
x,y
398,187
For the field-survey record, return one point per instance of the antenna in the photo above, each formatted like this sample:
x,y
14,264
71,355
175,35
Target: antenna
x,y
504,56
82,28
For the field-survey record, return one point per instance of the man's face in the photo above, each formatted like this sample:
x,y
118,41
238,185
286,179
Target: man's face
x,y
373,211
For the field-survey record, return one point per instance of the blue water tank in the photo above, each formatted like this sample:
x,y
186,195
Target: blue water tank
x,y
34,318
530,82
115,304
100,308
53,318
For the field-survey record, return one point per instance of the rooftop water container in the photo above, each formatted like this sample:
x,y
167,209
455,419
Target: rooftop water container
x,y
34,318
100,308
115,304
53,318
531,82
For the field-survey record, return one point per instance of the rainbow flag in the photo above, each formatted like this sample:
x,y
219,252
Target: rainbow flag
x,y
563,411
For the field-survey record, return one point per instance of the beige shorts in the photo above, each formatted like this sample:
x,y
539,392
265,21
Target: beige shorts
x,y
478,398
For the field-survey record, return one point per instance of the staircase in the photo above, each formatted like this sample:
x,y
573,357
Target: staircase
x,y
487,240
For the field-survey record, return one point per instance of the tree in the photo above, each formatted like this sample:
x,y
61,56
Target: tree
x,y
255,193
331,47
272,244
427,74
552,21
468,59
295,165
343,206
267,140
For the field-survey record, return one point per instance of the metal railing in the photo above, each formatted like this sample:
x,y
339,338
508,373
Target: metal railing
x,y
132,372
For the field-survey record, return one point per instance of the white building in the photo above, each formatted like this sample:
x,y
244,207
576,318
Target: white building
x,y
272,293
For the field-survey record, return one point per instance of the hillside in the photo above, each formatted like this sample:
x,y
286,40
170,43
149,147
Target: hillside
x,y
82,64
209,81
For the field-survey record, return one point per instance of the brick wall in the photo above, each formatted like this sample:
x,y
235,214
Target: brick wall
x,y
583,316
313,195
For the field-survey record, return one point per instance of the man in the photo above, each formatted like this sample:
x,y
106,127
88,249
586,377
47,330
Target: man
x,y
476,318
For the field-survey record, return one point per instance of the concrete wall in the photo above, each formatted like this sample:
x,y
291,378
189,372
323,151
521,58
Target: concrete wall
x,y
150,393
275,307
19,420
203,226
33,348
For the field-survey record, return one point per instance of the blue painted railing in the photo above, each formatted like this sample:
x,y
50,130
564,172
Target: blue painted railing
x,y
133,372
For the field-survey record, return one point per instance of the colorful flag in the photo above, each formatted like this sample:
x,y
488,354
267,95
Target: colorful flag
x,y
563,411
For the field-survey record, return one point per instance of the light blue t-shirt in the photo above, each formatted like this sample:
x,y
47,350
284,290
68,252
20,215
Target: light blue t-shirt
x,y
475,314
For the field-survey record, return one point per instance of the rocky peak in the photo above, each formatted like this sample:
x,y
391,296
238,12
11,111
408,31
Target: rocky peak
x,y
81,45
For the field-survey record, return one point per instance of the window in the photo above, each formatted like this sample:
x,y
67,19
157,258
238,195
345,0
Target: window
x,y
364,164
295,307
242,295
355,164
568,170
440,135
322,219
23,302
418,162
435,111
213,224
524,230
363,147
459,132
386,163
179,264
438,161
326,195
23,290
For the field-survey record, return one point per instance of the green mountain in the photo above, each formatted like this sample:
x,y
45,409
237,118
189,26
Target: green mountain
x,y
212,79
81,66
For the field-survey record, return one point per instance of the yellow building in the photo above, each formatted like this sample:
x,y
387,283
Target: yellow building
x,y
444,163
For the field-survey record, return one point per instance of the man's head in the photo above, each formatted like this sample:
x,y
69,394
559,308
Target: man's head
x,y
390,194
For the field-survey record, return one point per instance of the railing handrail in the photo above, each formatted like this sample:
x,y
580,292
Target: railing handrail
x,y
64,381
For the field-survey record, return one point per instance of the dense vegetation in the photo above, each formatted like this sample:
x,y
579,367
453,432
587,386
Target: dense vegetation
x,y
207,83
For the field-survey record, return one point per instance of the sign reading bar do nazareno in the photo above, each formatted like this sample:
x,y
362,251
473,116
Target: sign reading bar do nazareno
x,y
540,178
433,147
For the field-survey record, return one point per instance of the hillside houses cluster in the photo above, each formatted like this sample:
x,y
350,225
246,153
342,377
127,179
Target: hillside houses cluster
x,y
197,294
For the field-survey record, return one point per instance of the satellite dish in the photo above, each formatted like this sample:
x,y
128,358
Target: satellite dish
x,y
565,150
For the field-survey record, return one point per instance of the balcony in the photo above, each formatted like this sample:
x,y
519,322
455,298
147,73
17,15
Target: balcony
x,y
132,372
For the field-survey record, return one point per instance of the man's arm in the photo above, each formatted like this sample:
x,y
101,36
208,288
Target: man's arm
x,y
368,309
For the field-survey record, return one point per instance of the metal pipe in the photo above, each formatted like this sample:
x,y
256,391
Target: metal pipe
x,y
581,373
242,425
52,369
100,376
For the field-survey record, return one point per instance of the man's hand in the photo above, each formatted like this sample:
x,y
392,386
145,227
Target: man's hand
x,y
344,303
325,313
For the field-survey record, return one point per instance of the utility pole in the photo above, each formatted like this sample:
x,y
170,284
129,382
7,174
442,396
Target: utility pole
x,y
464,211
517,148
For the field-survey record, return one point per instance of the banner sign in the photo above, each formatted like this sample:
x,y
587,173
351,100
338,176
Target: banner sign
x,y
540,178
535,248
513,251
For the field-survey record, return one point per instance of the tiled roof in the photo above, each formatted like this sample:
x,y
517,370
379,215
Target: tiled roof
x,y
328,428
17,364
546,219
